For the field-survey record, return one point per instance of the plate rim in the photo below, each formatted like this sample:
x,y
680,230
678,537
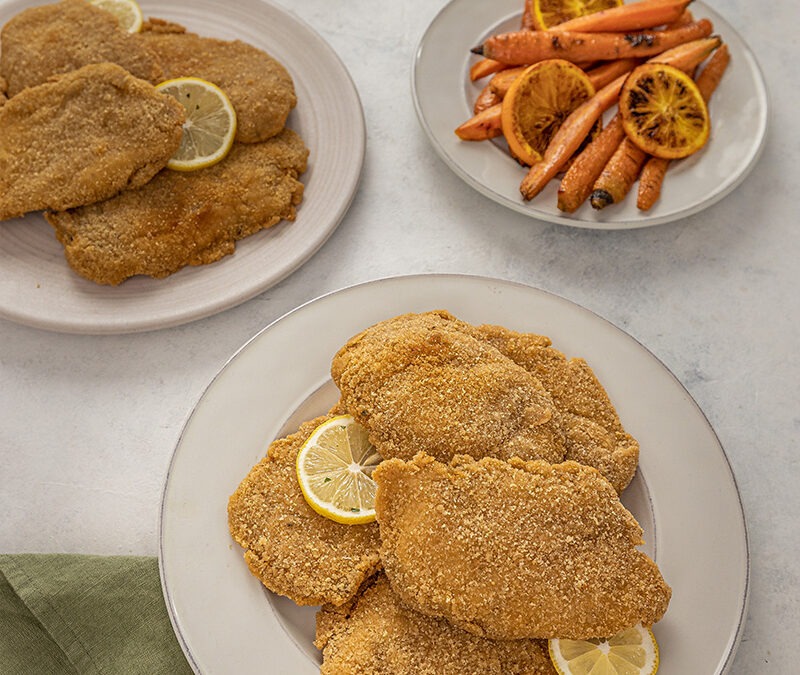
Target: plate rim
x,y
742,603
569,220
109,320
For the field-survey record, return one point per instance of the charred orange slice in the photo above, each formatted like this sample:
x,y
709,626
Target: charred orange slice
x,y
538,102
549,13
663,111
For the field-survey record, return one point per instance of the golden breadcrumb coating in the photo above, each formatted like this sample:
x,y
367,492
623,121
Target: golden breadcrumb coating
x,y
259,88
292,549
3,88
594,434
376,635
515,549
418,382
40,42
83,137
185,218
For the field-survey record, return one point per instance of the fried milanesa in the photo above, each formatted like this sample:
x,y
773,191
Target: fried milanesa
x,y
3,88
376,635
52,39
594,434
293,550
190,218
419,383
260,88
83,137
515,549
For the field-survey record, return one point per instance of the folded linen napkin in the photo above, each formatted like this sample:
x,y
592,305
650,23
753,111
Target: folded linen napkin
x,y
84,614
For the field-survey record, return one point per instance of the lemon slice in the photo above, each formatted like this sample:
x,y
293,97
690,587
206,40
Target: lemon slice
x,y
210,125
128,13
630,652
334,469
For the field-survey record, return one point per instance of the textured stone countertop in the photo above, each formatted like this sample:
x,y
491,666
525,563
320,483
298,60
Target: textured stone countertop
x,y
88,423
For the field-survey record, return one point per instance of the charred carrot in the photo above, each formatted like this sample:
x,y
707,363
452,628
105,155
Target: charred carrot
x,y
525,47
580,122
483,126
709,77
484,67
501,81
683,20
577,183
569,137
608,72
527,16
650,182
655,168
486,99
634,16
618,175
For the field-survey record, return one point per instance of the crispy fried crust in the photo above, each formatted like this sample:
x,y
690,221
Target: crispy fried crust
x,y
293,550
419,382
594,434
260,88
377,635
515,550
53,39
181,219
82,138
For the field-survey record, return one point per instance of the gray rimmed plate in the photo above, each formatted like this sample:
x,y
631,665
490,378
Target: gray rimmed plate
x,y
39,289
443,97
684,494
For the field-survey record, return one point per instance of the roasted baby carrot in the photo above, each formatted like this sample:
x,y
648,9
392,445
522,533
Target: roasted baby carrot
x,y
486,99
483,126
527,16
569,137
655,168
618,175
526,47
484,67
608,72
577,183
629,17
580,122
501,81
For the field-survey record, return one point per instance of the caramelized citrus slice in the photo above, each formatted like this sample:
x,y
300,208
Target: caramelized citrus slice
x,y
538,102
663,111
549,13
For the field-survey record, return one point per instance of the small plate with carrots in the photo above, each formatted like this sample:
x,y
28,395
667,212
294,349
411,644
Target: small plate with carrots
x,y
638,114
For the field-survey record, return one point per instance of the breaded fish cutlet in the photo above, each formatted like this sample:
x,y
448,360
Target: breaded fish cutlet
x,y
418,382
48,40
512,550
259,88
376,635
292,549
594,434
83,137
185,218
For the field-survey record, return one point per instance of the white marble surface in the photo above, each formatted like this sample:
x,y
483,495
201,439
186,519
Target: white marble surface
x,y
88,424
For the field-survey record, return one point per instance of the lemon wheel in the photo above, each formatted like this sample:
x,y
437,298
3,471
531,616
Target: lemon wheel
x,y
663,111
334,469
538,102
210,125
128,13
549,13
630,652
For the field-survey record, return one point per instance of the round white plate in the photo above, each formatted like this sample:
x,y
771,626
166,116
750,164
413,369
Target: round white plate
x,y
443,97
38,288
684,494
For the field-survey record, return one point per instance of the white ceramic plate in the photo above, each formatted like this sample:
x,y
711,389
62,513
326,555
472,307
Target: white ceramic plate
x,y
684,494
443,97
38,288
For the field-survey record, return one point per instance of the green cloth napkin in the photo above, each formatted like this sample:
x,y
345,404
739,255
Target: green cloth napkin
x,y
84,614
